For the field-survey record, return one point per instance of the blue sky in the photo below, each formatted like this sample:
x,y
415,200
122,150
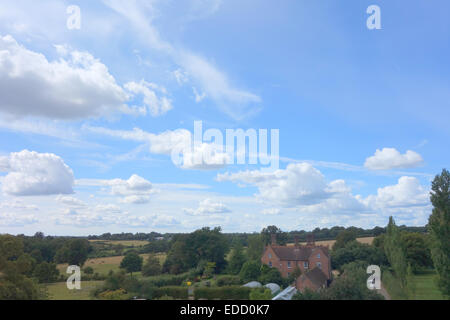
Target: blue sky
x,y
89,116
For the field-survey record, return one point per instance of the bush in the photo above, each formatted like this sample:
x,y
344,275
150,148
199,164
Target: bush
x,y
114,295
227,280
261,294
88,270
251,270
166,280
173,292
223,293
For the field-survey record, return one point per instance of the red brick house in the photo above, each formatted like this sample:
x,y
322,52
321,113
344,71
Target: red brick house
x,y
313,261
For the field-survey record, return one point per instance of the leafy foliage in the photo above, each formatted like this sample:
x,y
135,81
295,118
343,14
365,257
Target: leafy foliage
x,y
439,226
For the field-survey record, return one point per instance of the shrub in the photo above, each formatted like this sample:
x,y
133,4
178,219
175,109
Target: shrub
x,y
227,280
173,292
166,280
261,294
250,271
223,293
88,270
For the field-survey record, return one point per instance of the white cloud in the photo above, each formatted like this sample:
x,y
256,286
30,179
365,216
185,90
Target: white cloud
x,y
302,188
298,184
33,174
70,201
205,156
390,158
135,190
208,207
157,106
270,211
78,87
14,220
408,192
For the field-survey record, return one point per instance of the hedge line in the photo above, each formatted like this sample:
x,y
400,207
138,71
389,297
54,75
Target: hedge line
x,y
223,293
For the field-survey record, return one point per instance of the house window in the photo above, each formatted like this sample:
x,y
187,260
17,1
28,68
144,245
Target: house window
x,y
270,256
289,264
305,265
319,265
289,274
270,264
318,256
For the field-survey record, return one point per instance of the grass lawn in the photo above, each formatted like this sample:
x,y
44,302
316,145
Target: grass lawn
x,y
425,287
59,291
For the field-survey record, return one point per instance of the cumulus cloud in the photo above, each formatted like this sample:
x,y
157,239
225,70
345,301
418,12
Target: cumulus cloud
x,y
408,192
302,188
298,184
207,207
390,158
34,174
135,190
76,86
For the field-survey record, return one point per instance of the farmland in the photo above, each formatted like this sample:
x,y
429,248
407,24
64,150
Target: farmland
x,y
330,243
104,265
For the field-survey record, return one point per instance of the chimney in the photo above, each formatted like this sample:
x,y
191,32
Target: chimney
x,y
274,239
296,241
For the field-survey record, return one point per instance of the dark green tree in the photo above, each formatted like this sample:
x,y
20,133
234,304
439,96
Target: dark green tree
x,y
395,251
237,258
418,253
74,252
14,265
46,272
255,247
281,236
152,266
132,262
343,238
251,270
439,227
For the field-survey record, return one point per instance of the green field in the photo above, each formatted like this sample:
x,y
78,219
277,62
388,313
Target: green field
x,y
125,243
425,287
59,291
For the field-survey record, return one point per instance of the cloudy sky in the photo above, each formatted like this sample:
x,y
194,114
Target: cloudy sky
x,y
90,116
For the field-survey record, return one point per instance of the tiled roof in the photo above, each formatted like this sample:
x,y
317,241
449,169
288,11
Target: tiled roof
x,y
317,277
292,253
296,253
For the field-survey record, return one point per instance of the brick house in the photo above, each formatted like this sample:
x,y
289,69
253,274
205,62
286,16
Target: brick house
x,y
313,261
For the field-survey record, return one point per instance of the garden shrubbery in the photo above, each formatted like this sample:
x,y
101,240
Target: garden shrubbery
x,y
223,293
